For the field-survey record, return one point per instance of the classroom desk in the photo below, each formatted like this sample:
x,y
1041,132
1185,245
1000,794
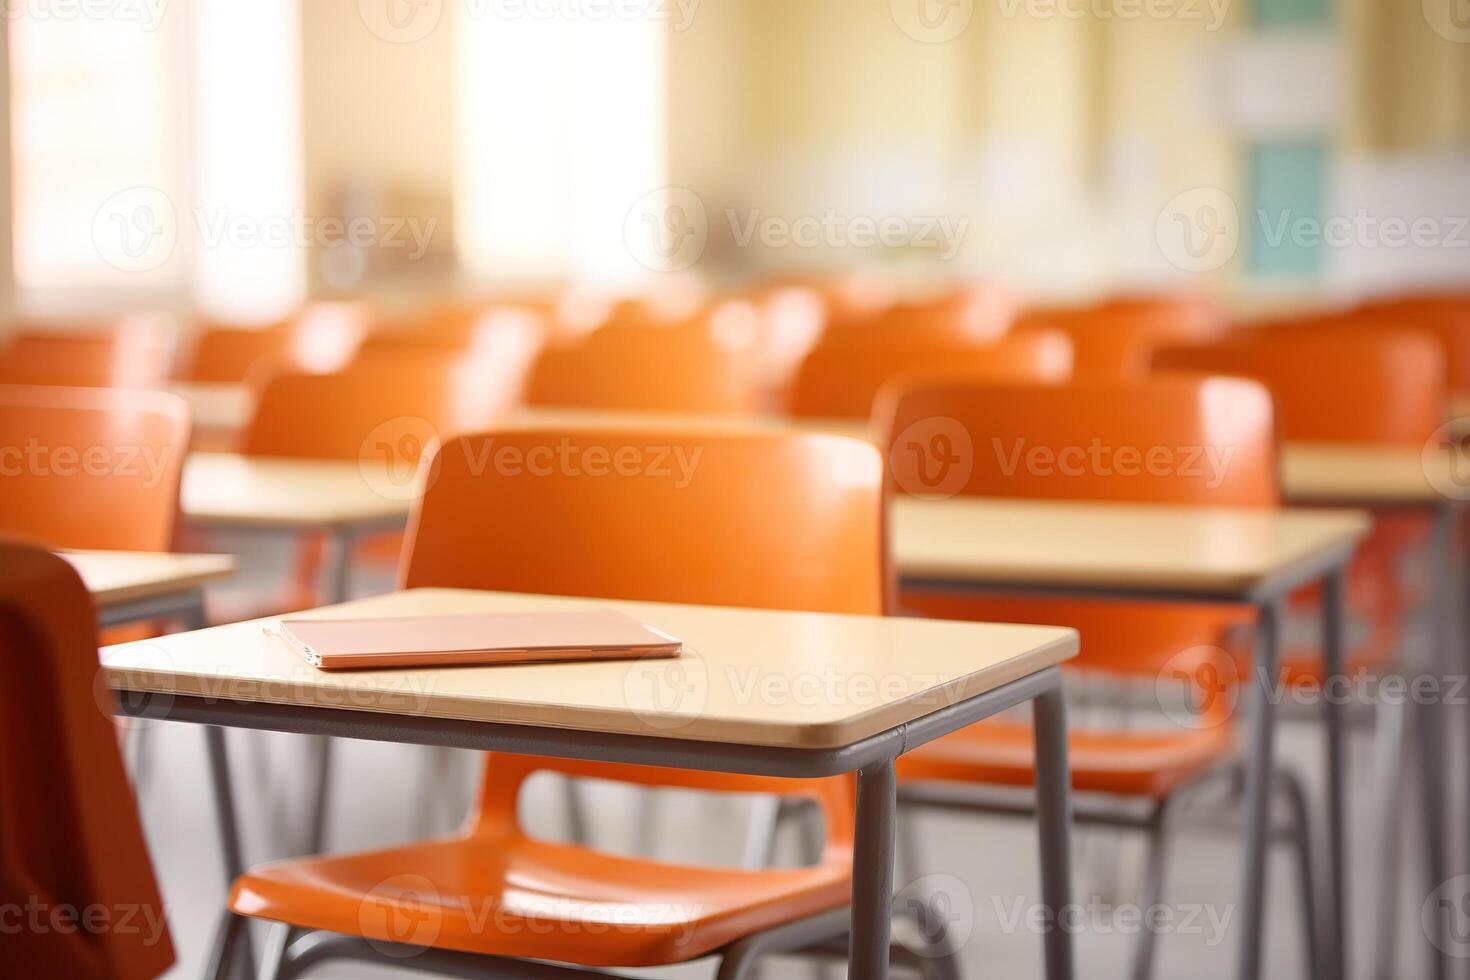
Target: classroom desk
x,y
908,681
1153,552
1435,483
216,407
267,495
131,587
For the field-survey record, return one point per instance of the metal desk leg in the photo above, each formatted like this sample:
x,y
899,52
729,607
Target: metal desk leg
x,y
319,751
872,872
1433,737
229,933
1054,815
1334,907
1259,779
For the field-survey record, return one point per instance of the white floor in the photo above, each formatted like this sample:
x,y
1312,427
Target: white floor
x,y
986,867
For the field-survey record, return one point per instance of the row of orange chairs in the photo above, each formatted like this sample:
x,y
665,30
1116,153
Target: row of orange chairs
x,y
817,545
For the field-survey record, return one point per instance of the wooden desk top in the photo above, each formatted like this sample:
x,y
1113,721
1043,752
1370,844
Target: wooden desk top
x,y
224,407
1368,475
1226,552
117,577
747,677
226,489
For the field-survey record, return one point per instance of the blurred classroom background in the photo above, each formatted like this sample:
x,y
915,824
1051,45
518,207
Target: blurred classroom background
x,y
206,193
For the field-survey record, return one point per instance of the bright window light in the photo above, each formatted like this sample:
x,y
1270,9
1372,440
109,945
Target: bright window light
x,y
561,124
96,171
249,182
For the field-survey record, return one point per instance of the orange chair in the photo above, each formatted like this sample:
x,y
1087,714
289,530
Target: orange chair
x,y
703,365
385,415
816,546
133,352
1364,387
1115,339
91,467
73,844
1446,316
225,355
1226,428
841,380
961,316
505,337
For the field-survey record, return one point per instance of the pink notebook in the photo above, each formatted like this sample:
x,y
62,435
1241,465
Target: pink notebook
x,y
497,638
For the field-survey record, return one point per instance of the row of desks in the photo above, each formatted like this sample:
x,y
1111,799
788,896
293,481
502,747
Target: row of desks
x,y
1126,551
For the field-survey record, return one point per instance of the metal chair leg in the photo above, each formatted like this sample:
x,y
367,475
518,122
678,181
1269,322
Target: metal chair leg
x,y
760,835
274,953
222,953
1160,832
1290,788
1388,785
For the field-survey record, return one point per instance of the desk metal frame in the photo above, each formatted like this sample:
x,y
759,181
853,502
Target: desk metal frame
x,y
871,758
1267,597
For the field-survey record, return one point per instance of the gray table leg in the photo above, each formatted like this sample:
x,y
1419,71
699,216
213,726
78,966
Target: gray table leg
x,y
1434,738
1334,626
1259,778
872,872
232,939
339,589
1054,816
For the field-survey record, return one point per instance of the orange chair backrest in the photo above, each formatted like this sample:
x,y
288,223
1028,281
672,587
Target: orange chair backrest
x,y
1334,386
842,380
1446,318
775,521
499,334
225,355
380,410
91,467
1178,440
1116,339
72,853
134,352
965,316
706,365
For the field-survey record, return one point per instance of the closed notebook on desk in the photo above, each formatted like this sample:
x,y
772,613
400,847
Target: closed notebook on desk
x,y
457,641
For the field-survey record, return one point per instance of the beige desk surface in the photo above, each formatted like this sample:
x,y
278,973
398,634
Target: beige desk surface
x,y
117,577
1321,473
215,406
585,418
747,677
243,491
1143,547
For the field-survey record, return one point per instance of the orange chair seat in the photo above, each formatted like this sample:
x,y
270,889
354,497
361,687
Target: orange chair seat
x,y
1132,763
514,896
